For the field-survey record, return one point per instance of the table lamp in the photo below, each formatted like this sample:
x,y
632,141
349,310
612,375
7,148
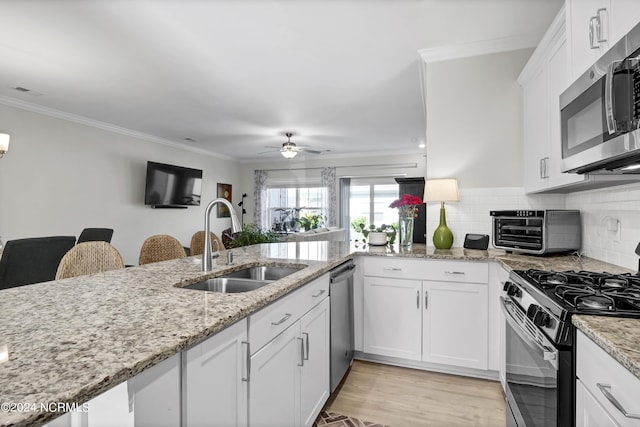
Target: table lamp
x,y
441,190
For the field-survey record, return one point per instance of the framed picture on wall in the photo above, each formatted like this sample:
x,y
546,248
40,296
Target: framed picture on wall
x,y
224,191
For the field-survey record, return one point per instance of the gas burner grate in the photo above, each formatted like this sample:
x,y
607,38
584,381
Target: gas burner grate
x,y
586,291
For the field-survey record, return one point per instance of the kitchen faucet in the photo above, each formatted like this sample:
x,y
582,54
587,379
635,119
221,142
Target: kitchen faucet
x,y
235,228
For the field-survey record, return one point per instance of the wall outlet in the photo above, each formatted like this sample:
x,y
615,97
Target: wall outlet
x,y
614,228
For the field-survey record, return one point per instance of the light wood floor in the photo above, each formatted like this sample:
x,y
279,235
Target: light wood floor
x,y
401,397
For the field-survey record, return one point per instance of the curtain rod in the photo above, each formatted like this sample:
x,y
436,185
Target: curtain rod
x,y
381,166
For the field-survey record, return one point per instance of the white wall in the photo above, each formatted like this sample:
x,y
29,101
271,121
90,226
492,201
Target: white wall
x,y
60,176
474,120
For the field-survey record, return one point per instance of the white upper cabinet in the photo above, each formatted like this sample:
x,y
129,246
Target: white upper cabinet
x,y
625,14
587,32
593,26
543,79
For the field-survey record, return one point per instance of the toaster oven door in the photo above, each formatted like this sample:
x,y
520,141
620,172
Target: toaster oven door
x,y
525,233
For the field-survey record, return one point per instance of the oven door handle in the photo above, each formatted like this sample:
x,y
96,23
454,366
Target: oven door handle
x,y
548,354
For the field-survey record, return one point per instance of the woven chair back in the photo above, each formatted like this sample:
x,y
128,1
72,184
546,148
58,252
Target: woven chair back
x,y
160,248
197,243
89,258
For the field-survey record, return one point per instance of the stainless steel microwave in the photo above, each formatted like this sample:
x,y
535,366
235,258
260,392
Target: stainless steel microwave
x,y
600,113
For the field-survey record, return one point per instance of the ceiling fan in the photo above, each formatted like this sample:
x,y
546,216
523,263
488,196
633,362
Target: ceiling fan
x,y
289,149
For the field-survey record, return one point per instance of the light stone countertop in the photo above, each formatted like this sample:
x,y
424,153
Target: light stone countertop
x,y
71,340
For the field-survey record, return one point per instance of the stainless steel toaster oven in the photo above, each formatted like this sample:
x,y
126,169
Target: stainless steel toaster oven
x,y
537,232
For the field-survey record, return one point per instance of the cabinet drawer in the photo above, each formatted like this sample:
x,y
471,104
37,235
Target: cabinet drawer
x,y
396,268
457,271
596,367
426,269
267,323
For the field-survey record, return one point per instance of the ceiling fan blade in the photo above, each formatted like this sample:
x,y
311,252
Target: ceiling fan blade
x,y
308,150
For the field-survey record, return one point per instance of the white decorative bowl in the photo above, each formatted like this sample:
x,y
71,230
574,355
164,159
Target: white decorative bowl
x,y
377,238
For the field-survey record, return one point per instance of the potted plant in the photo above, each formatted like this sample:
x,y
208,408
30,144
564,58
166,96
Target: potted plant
x,y
376,235
251,234
311,221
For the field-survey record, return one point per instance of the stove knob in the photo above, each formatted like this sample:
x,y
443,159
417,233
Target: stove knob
x,y
538,315
513,290
541,319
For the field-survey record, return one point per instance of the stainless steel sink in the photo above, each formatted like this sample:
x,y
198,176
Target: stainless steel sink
x,y
263,272
245,280
229,285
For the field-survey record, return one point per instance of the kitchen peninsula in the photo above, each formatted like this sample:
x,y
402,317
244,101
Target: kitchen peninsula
x,y
71,340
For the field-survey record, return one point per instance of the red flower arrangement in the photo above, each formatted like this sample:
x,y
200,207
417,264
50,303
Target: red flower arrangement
x,y
407,205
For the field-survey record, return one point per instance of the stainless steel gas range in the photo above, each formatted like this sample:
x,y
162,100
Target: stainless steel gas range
x,y
540,339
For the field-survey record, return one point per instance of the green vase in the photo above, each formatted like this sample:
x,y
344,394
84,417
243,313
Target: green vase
x,y
442,236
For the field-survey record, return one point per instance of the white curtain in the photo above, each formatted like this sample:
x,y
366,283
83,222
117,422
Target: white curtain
x,y
328,181
345,205
260,197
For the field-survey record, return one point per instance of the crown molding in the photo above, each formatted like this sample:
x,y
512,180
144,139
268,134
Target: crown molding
x,y
483,47
34,108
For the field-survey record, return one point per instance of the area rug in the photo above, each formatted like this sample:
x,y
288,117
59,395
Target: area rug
x,y
330,419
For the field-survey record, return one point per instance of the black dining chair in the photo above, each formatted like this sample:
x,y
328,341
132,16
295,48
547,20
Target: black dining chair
x,y
96,235
33,260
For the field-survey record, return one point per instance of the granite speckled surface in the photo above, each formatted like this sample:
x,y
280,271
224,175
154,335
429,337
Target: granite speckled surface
x,y
617,336
69,341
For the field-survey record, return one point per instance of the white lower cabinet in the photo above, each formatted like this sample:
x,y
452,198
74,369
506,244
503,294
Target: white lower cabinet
x,y
392,317
290,355
289,381
421,320
273,392
315,370
454,326
589,413
214,375
606,392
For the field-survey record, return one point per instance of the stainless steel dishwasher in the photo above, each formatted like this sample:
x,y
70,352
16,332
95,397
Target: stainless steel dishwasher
x,y
341,293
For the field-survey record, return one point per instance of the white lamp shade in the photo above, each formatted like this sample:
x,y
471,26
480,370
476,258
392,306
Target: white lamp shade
x,y
4,142
441,190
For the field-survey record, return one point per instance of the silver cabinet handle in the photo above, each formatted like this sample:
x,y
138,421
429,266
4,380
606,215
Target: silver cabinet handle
x,y
592,28
600,37
247,359
426,299
306,336
455,272
418,299
392,269
281,321
541,168
301,351
317,294
605,389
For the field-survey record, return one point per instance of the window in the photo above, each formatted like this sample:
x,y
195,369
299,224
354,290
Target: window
x,y
371,199
286,205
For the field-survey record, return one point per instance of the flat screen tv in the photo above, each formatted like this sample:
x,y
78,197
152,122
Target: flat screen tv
x,y
170,186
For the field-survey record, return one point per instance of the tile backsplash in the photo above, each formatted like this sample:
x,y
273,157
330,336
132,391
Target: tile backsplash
x,y
610,217
471,213
610,223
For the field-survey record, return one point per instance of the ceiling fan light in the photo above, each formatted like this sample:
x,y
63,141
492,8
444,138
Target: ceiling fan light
x,y
288,154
